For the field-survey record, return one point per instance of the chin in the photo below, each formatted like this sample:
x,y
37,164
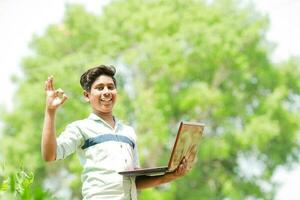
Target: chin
x,y
105,110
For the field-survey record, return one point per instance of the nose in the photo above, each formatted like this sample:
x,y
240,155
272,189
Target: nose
x,y
106,91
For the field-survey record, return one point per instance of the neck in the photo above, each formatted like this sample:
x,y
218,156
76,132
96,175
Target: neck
x,y
107,117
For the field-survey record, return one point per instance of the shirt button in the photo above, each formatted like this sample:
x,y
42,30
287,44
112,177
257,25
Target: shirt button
x,y
121,146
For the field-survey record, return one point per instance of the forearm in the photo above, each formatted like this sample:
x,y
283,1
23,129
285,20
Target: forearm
x,y
143,182
48,136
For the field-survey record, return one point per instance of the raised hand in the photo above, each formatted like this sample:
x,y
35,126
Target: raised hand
x,y
54,98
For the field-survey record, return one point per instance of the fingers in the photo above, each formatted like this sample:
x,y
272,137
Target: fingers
x,y
49,84
61,94
182,168
64,98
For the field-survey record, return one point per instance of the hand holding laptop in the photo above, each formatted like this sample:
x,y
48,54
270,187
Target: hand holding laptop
x,y
181,170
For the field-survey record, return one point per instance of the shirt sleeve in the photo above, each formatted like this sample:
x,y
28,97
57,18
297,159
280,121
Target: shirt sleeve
x,y
68,141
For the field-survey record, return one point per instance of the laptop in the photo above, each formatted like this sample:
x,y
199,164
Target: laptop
x,y
185,146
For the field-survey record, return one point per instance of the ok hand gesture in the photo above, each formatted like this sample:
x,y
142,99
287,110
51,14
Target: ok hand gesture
x,y
54,98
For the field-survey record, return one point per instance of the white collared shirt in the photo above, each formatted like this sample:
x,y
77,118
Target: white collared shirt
x,y
103,151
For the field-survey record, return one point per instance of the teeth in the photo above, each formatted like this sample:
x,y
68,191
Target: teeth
x,y
105,99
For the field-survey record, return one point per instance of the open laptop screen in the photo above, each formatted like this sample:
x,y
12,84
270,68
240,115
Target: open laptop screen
x,y
186,144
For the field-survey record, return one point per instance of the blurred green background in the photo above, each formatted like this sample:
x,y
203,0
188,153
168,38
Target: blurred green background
x,y
193,60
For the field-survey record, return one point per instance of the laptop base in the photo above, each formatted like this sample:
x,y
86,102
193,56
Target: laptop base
x,y
156,171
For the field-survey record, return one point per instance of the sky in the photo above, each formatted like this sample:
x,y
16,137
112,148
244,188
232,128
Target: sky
x,y
20,19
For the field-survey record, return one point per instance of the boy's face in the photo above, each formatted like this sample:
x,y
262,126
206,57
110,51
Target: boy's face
x,y
103,95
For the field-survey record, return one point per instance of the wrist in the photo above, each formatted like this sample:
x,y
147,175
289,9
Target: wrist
x,y
170,176
50,111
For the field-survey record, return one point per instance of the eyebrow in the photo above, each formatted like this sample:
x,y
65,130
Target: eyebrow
x,y
101,84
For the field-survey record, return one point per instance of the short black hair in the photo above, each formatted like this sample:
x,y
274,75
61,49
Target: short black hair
x,y
88,78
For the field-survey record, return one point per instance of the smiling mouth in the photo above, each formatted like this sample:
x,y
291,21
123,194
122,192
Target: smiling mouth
x,y
105,100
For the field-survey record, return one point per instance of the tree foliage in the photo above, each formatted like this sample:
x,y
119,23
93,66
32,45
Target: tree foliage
x,y
176,60
18,186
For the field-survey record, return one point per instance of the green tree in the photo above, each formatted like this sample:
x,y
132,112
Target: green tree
x,y
176,60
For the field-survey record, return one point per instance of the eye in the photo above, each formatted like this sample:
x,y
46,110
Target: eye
x,y
111,87
99,88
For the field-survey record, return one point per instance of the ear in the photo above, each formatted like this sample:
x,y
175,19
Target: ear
x,y
86,96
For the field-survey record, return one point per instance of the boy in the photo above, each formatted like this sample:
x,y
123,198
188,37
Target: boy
x,y
104,145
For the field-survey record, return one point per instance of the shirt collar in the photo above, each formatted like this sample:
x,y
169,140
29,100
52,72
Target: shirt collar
x,y
95,117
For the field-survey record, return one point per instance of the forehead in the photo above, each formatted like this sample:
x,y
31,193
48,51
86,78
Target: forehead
x,y
103,79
